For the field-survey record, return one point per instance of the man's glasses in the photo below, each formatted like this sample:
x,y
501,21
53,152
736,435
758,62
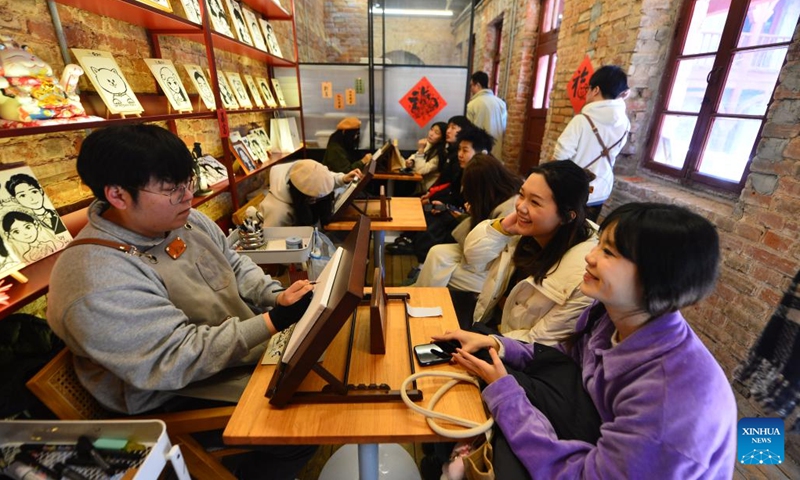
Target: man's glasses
x,y
176,193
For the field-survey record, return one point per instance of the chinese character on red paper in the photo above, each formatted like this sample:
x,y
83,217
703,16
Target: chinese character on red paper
x,y
579,84
423,102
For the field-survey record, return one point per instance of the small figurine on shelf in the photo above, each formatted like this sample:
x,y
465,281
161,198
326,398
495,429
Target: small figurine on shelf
x,y
202,181
29,92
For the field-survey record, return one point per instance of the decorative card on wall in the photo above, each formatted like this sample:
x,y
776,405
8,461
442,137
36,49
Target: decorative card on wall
x,y
238,88
278,92
423,102
263,86
159,4
579,84
228,99
192,10
251,85
107,79
202,86
219,18
31,226
251,20
271,39
239,25
169,81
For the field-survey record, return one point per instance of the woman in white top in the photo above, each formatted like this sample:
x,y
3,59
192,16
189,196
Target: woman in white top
x,y
426,160
538,257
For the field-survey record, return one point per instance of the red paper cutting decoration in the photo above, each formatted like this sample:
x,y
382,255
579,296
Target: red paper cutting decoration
x,y
423,102
579,84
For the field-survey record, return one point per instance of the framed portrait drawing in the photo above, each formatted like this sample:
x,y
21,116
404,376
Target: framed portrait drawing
x,y
269,36
251,20
214,171
238,89
191,8
225,92
219,17
263,86
159,4
108,80
237,18
256,147
243,156
169,81
278,92
200,82
251,85
266,144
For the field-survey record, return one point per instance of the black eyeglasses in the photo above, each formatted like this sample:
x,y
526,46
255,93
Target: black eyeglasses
x,y
176,193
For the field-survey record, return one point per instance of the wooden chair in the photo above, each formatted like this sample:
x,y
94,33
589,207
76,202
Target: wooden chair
x,y
57,386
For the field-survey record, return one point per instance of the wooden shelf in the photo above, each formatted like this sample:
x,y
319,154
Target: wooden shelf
x,y
272,9
131,11
216,189
274,158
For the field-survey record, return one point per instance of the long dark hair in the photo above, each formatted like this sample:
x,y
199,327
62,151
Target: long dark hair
x,y
307,213
676,253
438,149
486,183
570,186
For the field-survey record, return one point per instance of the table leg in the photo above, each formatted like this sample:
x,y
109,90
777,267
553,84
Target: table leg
x,y
368,461
378,242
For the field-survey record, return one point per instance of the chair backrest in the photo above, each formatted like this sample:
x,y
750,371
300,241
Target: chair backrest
x,y
58,387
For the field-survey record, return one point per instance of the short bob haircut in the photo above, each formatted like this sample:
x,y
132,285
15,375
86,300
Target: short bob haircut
x,y
130,156
676,253
611,80
480,139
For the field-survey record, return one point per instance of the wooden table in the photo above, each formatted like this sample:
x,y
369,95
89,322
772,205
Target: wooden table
x,y
256,422
407,215
393,176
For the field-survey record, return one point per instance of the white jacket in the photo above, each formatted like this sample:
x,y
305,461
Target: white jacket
x,y
542,313
277,207
428,169
488,111
579,144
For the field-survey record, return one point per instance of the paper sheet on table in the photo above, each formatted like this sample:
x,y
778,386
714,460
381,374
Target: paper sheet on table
x,y
424,311
322,293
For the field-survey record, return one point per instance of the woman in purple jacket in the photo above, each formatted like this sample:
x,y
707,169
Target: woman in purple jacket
x,y
666,407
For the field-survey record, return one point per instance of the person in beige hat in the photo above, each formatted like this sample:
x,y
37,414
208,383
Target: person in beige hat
x,y
341,153
301,193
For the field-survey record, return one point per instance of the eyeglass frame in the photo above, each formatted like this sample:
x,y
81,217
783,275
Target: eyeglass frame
x,y
181,187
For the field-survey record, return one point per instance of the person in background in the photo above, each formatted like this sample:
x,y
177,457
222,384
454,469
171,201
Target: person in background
x,y
341,152
146,326
487,111
594,137
426,160
301,193
665,405
536,255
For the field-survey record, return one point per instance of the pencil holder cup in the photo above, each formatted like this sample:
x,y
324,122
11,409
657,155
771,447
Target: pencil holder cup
x,y
251,240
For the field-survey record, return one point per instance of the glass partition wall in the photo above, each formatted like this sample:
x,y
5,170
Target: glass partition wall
x,y
398,65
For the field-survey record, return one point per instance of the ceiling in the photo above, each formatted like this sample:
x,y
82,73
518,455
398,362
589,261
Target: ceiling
x,y
455,5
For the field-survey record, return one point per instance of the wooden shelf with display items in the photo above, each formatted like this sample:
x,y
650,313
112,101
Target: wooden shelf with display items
x,y
274,157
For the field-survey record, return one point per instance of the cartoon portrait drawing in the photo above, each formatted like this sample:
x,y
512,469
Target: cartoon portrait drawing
x,y
192,10
225,93
245,158
201,85
255,31
174,84
28,238
238,20
218,18
26,191
108,80
239,89
265,90
251,86
8,259
112,82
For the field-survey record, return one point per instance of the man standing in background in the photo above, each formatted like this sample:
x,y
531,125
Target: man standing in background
x,y
487,111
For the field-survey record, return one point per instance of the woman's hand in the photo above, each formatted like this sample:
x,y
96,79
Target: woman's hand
x,y
470,341
295,292
409,163
488,372
352,175
367,158
435,211
467,208
509,224
425,199
421,145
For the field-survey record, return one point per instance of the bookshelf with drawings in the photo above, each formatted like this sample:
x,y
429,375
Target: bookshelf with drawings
x,y
171,40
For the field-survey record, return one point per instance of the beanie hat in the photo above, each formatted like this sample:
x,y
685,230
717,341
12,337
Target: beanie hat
x,y
311,178
349,123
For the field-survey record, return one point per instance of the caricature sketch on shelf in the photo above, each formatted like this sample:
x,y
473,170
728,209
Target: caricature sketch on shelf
x,y
202,86
263,85
31,227
243,157
271,39
170,83
239,25
251,85
262,135
107,79
239,89
192,10
278,92
228,100
255,30
214,171
256,147
219,19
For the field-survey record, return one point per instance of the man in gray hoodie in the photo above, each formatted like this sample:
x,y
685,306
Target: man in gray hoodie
x,y
150,298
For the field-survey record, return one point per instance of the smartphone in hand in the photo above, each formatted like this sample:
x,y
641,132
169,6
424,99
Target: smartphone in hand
x,y
430,354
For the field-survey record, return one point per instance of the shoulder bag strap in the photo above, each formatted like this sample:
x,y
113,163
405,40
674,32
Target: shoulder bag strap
x,y
129,249
605,151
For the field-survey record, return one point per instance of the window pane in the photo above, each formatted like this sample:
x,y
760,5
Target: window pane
x,y
673,139
708,20
541,81
751,81
553,61
547,16
769,22
690,85
728,148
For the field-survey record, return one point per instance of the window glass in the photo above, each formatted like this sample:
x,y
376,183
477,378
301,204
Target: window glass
x,y
769,22
751,81
728,148
689,85
673,140
705,29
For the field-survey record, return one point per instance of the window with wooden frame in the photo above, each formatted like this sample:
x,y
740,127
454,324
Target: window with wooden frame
x,y
721,75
